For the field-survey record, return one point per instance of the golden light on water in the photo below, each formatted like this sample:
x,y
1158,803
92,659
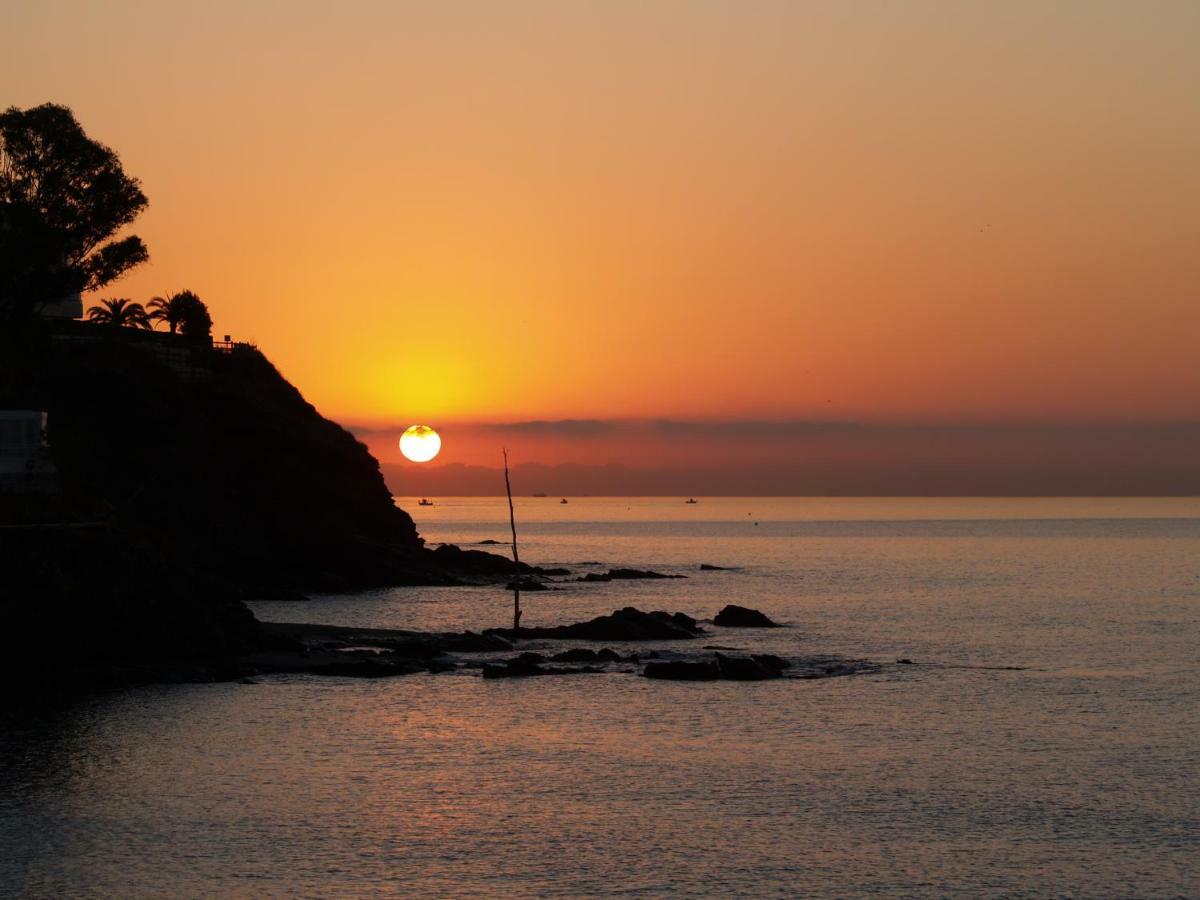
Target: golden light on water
x,y
420,443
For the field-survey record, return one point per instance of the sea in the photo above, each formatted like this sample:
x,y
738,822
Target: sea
x,y
1043,739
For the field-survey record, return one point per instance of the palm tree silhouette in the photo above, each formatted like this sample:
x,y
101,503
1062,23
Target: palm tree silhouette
x,y
184,312
172,309
167,308
119,313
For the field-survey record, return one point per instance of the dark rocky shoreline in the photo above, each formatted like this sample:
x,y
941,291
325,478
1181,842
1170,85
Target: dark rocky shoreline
x,y
184,491
339,651
185,484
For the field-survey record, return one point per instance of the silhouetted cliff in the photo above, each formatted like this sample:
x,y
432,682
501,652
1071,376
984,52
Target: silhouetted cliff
x,y
220,458
191,479
94,604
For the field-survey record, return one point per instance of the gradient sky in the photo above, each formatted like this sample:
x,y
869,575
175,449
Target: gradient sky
x,y
501,211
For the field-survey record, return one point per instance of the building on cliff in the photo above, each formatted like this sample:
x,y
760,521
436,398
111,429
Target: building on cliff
x,y
25,464
68,307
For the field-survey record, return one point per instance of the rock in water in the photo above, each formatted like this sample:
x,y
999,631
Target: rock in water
x,y
528,665
521,666
575,654
739,668
594,576
625,575
681,670
771,661
628,624
743,617
583,654
634,574
469,642
528,585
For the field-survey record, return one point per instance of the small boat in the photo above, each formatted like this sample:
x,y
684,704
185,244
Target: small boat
x,y
563,500
691,500
424,502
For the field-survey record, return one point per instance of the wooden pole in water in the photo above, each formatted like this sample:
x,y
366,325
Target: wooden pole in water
x,y
512,521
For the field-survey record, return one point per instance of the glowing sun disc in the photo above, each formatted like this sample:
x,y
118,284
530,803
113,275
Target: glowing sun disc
x,y
420,443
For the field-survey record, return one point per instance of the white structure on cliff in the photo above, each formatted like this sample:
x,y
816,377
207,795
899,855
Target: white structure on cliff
x,y
69,307
25,463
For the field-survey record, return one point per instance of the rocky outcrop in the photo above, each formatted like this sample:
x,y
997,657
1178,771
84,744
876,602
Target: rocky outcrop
x,y
184,490
682,670
636,574
530,665
625,575
754,668
223,464
360,652
419,644
628,624
375,653
584,654
476,566
226,462
743,617
94,605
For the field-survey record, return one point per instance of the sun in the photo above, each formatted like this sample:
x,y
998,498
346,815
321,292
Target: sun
x,y
420,443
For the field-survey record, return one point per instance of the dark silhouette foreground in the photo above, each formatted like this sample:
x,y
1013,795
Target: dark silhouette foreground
x,y
187,482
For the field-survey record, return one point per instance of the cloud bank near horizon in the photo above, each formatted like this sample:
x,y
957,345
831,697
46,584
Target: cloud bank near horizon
x,y
592,427
666,456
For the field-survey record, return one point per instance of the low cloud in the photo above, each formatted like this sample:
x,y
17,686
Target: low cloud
x,y
575,428
838,458
796,428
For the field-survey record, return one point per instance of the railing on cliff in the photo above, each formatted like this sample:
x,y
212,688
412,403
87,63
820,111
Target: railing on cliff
x,y
228,346
191,358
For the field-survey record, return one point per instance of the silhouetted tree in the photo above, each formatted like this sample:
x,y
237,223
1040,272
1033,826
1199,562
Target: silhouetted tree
x,y
119,313
62,197
167,308
182,311
195,321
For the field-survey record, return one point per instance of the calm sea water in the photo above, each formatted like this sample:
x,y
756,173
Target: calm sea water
x,y
1077,773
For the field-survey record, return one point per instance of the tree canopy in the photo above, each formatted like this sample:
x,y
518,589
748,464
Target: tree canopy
x,y
119,312
63,197
183,312
196,320
169,309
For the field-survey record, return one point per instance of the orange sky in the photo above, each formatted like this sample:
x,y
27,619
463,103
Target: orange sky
x,y
485,212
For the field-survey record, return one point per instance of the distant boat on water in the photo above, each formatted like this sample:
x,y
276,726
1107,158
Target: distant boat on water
x,y
691,500
563,500
424,502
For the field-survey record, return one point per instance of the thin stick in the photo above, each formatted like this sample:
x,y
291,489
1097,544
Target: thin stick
x,y
512,521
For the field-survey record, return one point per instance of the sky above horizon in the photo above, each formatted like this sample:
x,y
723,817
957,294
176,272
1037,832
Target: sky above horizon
x,y
474,212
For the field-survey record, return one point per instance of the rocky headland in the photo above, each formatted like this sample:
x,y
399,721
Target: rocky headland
x,y
186,480
189,480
